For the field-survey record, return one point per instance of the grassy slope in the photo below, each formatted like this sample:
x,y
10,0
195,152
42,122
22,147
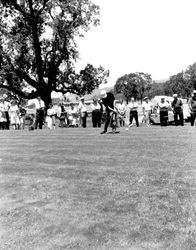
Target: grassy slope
x,y
77,189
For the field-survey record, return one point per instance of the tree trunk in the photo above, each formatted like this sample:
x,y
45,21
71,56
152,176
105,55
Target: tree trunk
x,y
46,97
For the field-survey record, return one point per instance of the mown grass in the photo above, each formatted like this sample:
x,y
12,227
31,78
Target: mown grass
x,y
77,189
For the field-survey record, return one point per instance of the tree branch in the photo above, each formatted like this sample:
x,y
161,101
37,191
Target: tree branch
x,y
22,74
23,94
44,5
27,78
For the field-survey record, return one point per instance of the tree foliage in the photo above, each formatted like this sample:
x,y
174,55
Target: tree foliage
x,y
31,60
182,83
133,85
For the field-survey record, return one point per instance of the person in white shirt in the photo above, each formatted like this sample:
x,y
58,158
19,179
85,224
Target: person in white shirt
x,y
14,115
50,118
121,108
40,113
133,106
2,115
6,110
147,110
72,115
83,112
96,113
163,106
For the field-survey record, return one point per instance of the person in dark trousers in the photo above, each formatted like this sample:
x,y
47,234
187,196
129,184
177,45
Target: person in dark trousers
x,y
96,113
178,110
6,110
83,112
163,111
192,107
133,112
108,100
40,113
62,116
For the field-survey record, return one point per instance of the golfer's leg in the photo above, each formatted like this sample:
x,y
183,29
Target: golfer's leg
x,y
175,119
107,122
131,117
136,118
181,119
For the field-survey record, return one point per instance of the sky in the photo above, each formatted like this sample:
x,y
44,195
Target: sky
x,y
157,37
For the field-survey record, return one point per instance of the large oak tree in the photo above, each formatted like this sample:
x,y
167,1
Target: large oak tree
x,y
133,85
38,49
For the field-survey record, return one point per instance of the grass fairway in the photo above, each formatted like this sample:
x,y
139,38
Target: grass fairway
x,y
77,189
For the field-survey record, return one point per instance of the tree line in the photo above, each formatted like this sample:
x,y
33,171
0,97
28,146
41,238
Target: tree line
x,y
140,84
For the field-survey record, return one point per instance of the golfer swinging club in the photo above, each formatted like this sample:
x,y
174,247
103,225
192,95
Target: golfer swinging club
x,y
108,100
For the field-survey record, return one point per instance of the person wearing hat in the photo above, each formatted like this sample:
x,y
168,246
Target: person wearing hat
x,y
163,106
177,107
96,113
40,113
108,100
83,112
133,106
147,107
192,107
72,116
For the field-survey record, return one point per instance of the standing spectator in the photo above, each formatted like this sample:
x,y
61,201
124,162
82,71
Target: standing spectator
x,y
192,107
40,112
6,110
147,110
133,105
178,110
121,113
72,115
163,106
2,115
83,112
96,113
22,114
14,115
108,101
62,115
50,118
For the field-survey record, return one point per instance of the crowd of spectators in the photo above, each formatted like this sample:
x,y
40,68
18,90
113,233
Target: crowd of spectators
x,y
14,115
